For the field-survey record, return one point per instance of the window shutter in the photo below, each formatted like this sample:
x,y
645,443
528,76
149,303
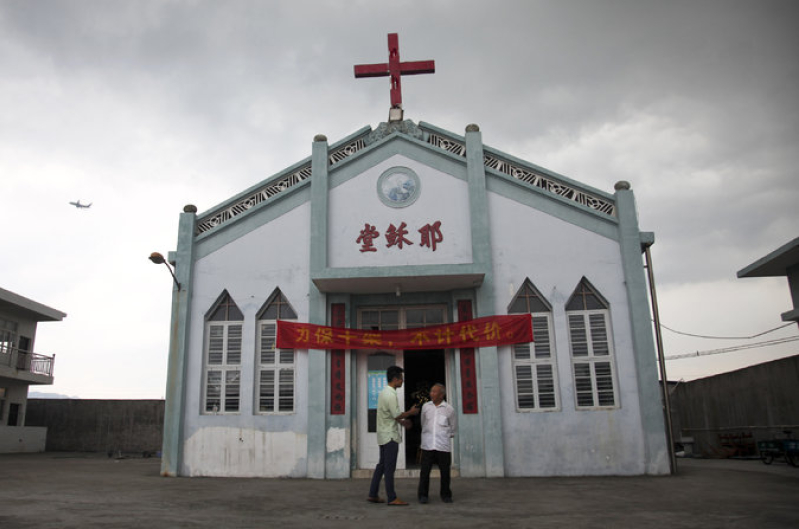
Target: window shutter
x,y
599,335
604,383
522,351
546,386
213,391
216,344
541,337
577,332
524,386
232,390
267,391
234,344
583,384
286,391
268,337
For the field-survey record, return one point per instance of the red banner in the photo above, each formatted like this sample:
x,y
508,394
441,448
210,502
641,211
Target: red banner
x,y
468,368
338,375
482,332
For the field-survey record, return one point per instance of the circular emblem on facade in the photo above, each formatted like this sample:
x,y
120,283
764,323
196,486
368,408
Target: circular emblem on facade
x,y
398,187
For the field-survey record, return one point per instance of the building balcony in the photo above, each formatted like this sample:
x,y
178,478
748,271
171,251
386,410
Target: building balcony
x,y
22,365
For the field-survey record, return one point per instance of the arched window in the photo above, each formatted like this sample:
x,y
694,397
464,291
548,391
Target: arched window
x,y
274,367
591,348
222,371
534,365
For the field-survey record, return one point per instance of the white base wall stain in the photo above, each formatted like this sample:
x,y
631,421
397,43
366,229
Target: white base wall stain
x,y
237,452
336,439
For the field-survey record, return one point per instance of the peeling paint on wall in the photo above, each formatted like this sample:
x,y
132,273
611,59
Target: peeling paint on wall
x,y
238,452
336,439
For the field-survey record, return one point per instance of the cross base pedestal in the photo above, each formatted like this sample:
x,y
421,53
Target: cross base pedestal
x,y
394,114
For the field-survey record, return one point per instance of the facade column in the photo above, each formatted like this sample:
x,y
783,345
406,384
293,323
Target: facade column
x,y
652,418
489,396
338,444
175,396
317,311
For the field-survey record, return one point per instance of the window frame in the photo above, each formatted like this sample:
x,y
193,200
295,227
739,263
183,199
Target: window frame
x,y
227,368
528,292
591,359
533,362
277,366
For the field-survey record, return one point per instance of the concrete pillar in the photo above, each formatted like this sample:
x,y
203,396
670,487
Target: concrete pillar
x,y
489,397
172,450
650,402
317,310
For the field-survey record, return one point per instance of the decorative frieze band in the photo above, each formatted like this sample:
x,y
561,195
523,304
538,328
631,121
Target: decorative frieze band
x,y
550,184
345,151
271,189
275,186
528,175
525,174
448,144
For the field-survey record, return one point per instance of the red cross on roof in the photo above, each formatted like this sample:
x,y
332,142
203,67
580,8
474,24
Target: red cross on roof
x,y
394,69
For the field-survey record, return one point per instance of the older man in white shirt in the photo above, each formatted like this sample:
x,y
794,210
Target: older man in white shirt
x,y
439,424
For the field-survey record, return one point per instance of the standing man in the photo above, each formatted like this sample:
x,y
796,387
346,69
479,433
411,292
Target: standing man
x,y
439,424
389,420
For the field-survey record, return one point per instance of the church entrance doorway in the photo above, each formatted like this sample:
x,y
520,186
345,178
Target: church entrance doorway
x,y
422,370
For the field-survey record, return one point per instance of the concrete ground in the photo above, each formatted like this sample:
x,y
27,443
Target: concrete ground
x,y
61,490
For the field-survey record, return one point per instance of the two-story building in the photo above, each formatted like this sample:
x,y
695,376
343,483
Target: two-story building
x,y
21,367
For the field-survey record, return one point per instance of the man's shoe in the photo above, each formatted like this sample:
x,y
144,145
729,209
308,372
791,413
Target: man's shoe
x,y
377,499
422,499
446,500
398,502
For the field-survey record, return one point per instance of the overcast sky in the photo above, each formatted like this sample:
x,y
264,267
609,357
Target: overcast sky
x,y
144,107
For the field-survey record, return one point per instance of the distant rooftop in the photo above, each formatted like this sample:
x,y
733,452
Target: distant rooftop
x,y
37,311
774,264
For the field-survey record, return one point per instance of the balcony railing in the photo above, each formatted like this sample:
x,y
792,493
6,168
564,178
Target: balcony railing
x,y
25,361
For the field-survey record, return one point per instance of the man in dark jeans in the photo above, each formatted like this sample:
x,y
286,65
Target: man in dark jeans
x,y
389,420
439,424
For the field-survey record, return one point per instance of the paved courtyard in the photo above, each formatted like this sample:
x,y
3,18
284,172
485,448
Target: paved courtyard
x,y
60,490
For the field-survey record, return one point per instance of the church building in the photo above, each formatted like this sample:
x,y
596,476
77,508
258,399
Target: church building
x,y
408,227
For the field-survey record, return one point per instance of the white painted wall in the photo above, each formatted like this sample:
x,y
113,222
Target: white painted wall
x,y
355,202
249,268
244,452
22,439
555,255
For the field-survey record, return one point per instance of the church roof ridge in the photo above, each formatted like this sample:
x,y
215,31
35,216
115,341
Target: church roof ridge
x,y
499,162
496,162
289,177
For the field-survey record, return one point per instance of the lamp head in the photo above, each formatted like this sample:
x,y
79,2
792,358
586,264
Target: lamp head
x,y
157,258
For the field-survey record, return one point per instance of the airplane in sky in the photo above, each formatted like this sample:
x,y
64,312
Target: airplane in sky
x,y
81,206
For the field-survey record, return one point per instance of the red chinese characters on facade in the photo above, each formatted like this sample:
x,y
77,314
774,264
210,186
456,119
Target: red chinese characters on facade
x,y
431,235
368,234
396,236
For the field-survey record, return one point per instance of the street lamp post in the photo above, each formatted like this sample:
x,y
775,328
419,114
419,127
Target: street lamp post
x,y
157,258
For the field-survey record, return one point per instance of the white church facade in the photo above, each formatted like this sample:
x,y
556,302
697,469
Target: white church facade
x,y
403,227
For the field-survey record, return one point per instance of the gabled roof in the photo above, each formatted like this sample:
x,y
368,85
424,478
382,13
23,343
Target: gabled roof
x,y
12,302
497,163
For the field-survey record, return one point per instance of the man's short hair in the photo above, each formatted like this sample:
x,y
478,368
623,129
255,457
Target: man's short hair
x,y
442,386
393,372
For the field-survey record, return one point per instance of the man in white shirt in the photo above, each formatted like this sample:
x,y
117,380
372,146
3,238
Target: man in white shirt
x,y
439,424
